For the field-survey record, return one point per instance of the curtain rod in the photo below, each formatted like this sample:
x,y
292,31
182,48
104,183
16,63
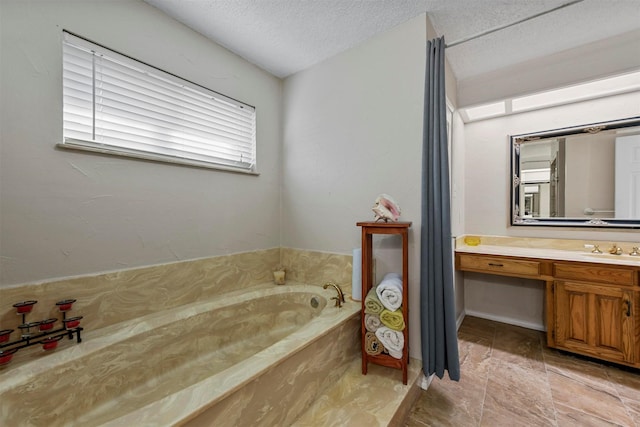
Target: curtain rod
x,y
493,30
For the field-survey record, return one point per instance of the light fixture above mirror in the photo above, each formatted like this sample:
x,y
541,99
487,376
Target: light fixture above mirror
x,y
612,85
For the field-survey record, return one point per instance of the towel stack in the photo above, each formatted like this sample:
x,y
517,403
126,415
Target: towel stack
x,y
372,322
392,341
372,304
383,317
373,346
389,291
392,319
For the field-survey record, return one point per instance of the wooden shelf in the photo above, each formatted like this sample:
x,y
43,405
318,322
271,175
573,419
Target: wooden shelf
x,y
369,229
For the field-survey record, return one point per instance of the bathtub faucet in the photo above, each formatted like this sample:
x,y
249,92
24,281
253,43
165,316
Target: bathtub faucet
x,y
340,298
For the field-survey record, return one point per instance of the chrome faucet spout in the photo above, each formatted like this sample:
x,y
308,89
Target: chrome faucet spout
x,y
340,298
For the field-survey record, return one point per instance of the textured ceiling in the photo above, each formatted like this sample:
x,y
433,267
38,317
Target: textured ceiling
x,y
286,36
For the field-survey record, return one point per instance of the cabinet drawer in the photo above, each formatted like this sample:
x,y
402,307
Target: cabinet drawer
x,y
595,273
495,265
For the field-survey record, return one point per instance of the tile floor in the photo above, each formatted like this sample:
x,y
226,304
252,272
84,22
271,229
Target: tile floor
x,y
510,378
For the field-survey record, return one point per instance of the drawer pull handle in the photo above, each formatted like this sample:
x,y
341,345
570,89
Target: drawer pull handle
x,y
496,264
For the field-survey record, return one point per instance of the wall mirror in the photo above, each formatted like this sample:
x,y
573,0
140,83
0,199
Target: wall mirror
x,y
583,176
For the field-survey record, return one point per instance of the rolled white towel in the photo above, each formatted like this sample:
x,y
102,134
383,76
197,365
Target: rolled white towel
x,y
393,341
389,291
372,322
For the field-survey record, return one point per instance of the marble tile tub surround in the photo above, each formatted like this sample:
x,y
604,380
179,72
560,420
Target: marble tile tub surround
x,y
110,298
110,301
283,393
565,249
374,400
317,268
108,364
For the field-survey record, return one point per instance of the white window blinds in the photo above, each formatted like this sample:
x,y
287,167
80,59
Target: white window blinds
x,y
114,104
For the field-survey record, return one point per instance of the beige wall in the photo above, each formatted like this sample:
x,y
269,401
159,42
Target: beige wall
x,y
353,130
487,186
67,213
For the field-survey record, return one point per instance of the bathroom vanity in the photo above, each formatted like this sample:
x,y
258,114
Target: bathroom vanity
x,y
592,300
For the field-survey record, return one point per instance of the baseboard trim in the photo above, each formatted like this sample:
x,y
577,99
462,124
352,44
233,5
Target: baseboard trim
x,y
460,319
507,320
425,381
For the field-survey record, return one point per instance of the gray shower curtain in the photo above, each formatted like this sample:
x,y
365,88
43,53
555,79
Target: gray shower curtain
x,y
437,301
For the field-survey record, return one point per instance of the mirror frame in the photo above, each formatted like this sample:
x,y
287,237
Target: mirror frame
x,y
517,140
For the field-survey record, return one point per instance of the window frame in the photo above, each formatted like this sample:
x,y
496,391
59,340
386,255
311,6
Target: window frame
x,y
154,74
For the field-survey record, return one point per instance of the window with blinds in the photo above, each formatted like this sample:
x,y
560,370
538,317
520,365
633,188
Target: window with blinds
x,y
116,105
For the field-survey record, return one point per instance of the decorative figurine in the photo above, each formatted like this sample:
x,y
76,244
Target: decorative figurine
x,y
386,209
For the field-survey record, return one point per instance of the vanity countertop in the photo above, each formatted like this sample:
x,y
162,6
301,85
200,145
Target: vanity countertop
x,y
551,249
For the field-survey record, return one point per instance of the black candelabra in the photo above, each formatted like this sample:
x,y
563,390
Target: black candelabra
x,y
42,332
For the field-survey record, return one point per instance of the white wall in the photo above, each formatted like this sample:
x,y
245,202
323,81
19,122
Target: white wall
x,y
487,187
353,130
66,213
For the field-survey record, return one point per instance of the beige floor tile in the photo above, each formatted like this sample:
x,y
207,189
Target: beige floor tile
x,y
517,395
438,409
476,327
520,346
599,400
633,409
570,417
510,378
577,368
456,403
474,356
626,381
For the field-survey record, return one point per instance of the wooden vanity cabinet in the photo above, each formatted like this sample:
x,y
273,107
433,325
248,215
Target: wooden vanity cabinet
x,y
595,320
501,265
596,311
592,308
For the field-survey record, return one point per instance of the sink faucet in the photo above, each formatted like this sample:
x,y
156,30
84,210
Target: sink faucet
x,y
635,251
615,249
596,249
340,298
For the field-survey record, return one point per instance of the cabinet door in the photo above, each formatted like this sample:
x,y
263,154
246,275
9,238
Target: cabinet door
x,y
595,320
